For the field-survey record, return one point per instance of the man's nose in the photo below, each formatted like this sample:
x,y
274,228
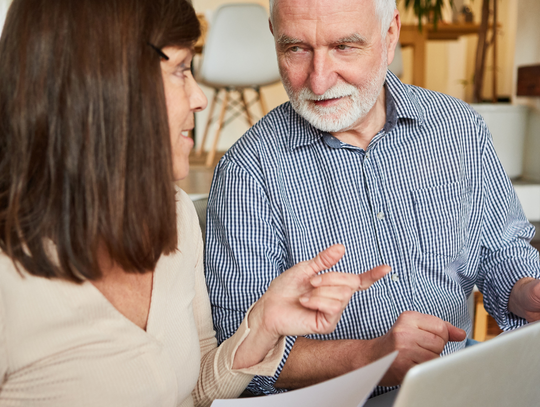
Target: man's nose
x,y
323,75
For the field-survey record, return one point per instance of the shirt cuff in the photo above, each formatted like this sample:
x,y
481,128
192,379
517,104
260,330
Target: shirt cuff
x,y
270,363
266,384
497,294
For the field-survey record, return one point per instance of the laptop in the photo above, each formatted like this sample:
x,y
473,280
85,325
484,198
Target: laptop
x,y
504,371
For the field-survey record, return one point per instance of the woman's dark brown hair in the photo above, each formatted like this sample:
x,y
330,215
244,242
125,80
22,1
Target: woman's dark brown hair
x,y
84,140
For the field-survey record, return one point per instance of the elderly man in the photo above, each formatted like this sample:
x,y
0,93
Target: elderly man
x,y
400,175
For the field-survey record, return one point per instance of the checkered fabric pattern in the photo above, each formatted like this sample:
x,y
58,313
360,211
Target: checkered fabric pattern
x,y
428,196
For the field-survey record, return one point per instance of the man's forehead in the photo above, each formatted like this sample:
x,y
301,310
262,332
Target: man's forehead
x,y
322,9
324,21
354,37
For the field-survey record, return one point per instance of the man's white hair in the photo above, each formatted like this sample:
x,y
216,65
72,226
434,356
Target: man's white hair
x,y
384,8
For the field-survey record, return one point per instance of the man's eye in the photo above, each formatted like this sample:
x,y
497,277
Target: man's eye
x,y
342,47
294,49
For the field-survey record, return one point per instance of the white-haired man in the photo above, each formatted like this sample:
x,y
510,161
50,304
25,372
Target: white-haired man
x,y
398,174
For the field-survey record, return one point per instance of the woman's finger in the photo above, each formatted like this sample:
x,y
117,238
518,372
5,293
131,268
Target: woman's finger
x,y
336,292
354,281
326,259
370,276
336,278
331,307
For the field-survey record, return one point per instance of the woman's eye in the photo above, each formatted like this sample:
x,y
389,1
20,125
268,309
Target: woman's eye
x,y
183,72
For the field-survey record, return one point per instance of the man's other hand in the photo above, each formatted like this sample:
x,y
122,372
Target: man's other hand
x,y
525,299
418,338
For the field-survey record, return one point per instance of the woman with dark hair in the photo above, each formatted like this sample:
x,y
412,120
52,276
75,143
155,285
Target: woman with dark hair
x,y
102,293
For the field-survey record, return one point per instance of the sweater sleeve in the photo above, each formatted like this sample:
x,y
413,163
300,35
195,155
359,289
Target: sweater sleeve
x,y
217,379
3,350
245,252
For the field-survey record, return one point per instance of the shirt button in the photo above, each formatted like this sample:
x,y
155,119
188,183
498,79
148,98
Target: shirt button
x,y
395,277
380,215
367,154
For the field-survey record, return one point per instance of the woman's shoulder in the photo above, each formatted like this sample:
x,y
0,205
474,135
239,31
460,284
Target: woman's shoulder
x,y
185,211
10,274
189,229
30,306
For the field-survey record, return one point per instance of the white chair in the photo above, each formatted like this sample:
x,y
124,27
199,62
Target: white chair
x,y
238,54
201,202
4,6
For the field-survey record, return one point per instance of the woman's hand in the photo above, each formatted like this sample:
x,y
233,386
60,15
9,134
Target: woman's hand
x,y
301,302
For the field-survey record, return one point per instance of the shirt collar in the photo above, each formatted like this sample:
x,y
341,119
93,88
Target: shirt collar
x,y
400,103
406,102
391,111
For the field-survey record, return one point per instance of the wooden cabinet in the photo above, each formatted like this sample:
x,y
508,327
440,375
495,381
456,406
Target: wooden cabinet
x,y
528,80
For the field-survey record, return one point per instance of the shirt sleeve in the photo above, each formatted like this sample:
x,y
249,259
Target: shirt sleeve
x,y
217,379
245,251
506,254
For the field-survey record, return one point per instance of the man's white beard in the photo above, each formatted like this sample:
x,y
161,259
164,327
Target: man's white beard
x,y
355,105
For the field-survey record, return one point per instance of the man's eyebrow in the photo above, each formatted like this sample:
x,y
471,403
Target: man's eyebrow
x,y
353,38
286,40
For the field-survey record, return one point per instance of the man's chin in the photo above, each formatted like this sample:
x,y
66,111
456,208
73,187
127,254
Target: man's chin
x,y
331,119
331,126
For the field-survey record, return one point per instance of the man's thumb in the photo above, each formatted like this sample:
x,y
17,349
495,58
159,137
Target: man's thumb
x,y
455,334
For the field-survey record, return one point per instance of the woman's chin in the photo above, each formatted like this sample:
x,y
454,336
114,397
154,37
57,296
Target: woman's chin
x,y
181,173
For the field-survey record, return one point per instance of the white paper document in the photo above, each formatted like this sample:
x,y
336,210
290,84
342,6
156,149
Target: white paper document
x,y
349,390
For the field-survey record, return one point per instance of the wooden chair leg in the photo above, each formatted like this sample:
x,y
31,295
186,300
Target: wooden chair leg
x,y
480,318
264,108
212,153
246,108
208,122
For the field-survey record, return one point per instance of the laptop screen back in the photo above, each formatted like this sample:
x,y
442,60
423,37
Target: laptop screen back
x,y
504,371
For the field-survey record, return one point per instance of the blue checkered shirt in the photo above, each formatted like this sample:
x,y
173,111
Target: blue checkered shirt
x,y
428,196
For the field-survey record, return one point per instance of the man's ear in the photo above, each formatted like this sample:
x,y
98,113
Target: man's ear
x,y
392,36
270,25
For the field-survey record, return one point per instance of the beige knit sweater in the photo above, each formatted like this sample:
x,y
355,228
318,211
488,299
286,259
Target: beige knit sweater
x,y
63,344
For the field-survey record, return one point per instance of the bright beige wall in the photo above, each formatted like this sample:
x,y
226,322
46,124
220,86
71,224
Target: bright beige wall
x,y
508,20
4,5
527,52
450,64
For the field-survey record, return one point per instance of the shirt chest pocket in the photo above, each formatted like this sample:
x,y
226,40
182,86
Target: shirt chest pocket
x,y
441,214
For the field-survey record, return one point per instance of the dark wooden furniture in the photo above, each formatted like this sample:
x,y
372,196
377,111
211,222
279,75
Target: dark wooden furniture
x,y
528,80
